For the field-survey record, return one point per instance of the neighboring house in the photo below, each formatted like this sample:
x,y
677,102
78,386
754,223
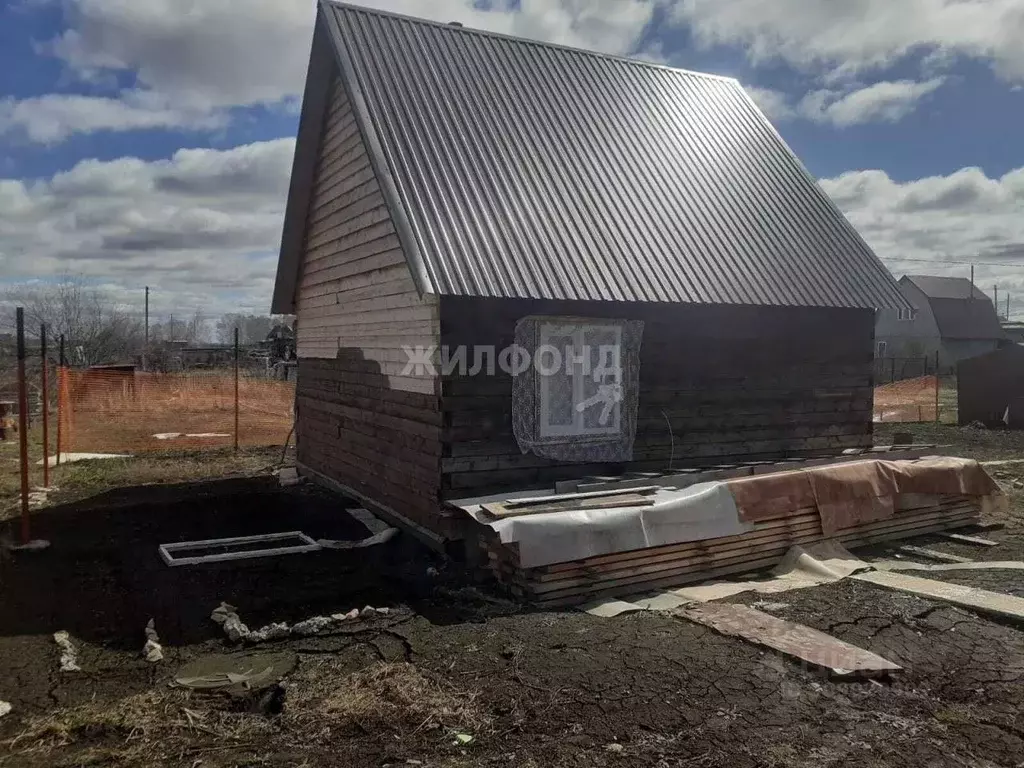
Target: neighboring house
x,y
1014,331
950,316
648,226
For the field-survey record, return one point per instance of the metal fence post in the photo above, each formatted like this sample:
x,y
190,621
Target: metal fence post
x,y
46,406
23,424
236,390
60,396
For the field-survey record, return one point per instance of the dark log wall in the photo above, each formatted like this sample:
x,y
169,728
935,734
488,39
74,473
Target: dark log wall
x,y
384,443
733,382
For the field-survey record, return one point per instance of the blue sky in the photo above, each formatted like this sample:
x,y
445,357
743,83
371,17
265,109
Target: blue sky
x,y
150,141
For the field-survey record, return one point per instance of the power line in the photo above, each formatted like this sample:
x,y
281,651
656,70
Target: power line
x,y
954,261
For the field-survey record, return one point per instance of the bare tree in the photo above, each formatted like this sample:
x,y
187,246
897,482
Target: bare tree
x,y
195,331
96,329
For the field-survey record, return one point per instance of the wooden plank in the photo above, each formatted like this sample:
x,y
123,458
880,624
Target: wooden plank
x,y
980,600
976,541
710,558
809,646
501,511
573,597
931,554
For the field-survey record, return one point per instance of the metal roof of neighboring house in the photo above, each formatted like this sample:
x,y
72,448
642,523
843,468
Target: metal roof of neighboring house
x,y
522,169
961,310
946,287
966,319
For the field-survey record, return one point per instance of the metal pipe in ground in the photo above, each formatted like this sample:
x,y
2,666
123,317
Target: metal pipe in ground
x,y
60,396
46,406
236,390
23,425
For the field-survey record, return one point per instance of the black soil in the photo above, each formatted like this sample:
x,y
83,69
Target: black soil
x,y
558,688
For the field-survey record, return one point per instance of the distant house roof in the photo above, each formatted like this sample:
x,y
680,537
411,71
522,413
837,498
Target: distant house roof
x,y
961,310
520,169
946,287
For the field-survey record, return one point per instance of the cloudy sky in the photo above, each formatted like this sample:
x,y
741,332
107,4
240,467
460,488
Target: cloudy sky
x,y
150,141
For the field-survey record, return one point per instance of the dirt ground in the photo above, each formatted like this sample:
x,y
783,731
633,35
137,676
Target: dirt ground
x,y
454,675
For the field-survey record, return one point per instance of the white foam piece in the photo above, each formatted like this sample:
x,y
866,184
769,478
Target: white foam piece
x,y
71,458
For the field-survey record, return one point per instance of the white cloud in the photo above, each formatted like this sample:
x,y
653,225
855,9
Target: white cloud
x,y
193,59
54,117
851,36
775,104
198,227
888,101
965,216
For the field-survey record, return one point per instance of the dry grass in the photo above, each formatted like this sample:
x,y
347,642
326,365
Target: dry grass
x,y
151,728
164,727
115,413
391,697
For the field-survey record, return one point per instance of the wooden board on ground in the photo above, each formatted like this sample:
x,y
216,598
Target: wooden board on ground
x,y
797,641
980,600
963,539
931,554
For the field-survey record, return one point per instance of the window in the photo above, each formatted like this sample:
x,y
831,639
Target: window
x,y
576,399
906,314
881,349
579,380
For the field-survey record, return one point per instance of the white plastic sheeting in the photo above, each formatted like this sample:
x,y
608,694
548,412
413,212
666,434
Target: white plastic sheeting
x,y
700,512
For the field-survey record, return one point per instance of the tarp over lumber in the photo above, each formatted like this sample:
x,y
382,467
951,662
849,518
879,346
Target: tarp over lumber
x,y
845,496
858,492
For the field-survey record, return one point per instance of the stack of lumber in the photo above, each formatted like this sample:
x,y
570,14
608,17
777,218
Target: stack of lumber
x,y
638,571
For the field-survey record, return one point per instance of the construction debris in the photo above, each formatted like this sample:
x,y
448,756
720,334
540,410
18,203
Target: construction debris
x,y
236,674
227,616
287,476
152,651
380,532
5,708
68,655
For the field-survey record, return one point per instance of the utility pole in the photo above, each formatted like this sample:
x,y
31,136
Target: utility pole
x,y
995,297
1007,306
145,349
170,333
972,282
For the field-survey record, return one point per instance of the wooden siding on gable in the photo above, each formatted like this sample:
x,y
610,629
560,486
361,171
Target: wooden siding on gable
x,y
363,420
355,290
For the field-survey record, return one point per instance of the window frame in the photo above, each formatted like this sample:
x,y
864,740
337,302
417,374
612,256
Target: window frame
x,y
578,430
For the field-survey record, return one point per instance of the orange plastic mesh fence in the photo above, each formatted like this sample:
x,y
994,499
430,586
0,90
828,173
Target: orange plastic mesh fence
x,y
113,411
908,400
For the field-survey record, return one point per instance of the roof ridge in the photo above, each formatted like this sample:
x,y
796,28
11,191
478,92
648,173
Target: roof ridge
x,y
529,41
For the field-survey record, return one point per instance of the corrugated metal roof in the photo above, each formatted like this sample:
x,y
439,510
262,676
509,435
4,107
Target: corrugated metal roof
x,y
537,171
946,287
966,319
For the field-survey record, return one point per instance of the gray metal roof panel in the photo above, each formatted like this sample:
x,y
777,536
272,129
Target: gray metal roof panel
x,y
536,171
966,319
946,287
